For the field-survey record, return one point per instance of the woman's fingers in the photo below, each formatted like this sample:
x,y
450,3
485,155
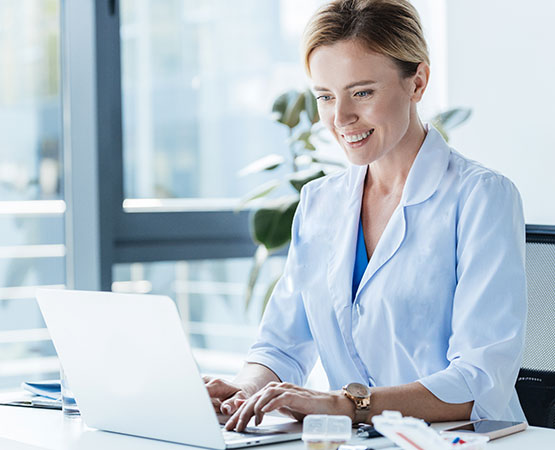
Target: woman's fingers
x,y
231,405
216,403
245,414
269,393
225,396
220,389
238,402
231,424
255,404
241,417
286,398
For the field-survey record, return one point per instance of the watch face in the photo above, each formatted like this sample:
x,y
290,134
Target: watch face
x,y
358,390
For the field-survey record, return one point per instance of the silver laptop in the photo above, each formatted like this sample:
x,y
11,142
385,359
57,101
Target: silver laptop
x,y
131,369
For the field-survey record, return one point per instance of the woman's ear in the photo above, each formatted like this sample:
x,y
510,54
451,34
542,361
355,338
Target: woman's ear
x,y
419,82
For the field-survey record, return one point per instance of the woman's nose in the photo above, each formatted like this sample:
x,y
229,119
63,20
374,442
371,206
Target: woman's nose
x,y
345,114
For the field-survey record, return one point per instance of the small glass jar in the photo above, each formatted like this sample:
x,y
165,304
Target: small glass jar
x,y
69,405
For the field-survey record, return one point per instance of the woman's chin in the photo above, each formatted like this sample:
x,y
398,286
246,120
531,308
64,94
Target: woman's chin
x,y
357,158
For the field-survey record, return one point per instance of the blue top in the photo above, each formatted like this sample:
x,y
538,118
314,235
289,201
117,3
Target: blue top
x,y
442,300
361,260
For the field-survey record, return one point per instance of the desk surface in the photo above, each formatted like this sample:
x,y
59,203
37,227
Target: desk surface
x,y
29,428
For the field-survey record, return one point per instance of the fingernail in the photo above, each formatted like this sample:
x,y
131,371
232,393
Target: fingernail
x,y
226,409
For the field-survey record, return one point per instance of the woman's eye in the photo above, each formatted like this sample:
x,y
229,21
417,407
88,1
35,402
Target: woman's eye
x,y
364,93
324,98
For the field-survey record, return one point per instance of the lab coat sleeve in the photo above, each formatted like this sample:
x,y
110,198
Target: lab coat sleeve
x,y
284,343
489,305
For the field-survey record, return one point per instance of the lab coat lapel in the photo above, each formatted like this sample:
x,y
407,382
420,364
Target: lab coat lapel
x,y
423,179
390,241
342,257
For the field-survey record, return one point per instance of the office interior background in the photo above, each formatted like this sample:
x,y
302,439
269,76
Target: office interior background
x,y
124,125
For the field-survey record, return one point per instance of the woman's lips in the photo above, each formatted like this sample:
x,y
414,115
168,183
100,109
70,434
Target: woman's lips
x,y
358,139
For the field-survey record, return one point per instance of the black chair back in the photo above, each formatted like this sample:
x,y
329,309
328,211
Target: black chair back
x,y
536,392
536,381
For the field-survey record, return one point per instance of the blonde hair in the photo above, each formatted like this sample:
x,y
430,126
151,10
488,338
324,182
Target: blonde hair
x,y
388,27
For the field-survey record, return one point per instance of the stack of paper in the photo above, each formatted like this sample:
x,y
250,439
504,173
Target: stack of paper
x,y
39,394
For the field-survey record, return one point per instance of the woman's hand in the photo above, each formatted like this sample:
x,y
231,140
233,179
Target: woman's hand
x,y
226,396
290,400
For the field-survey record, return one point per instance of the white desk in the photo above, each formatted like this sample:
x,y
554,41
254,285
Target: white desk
x,y
29,428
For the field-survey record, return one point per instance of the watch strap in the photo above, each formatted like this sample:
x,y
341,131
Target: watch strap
x,y
362,405
361,415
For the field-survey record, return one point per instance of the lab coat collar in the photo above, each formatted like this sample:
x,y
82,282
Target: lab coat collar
x,y
427,170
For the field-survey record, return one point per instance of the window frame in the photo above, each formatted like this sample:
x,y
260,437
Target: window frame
x,y
99,230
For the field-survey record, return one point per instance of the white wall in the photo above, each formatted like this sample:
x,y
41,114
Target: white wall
x,y
501,63
434,21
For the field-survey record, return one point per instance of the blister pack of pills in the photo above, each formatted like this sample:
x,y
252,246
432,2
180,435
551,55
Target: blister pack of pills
x,y
410,433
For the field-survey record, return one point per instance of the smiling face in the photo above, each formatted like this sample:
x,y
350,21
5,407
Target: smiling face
x,y
365,103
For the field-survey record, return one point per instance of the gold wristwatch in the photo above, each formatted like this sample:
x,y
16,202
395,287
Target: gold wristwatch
x,y
359,394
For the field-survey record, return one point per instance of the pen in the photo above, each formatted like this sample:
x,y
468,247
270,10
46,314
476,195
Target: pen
x,y
367,431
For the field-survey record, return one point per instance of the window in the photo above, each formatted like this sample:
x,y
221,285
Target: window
x,y
198,83
197,86
32,245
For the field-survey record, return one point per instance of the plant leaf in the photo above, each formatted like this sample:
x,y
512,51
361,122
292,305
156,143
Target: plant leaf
x,y
292,115
271,225
268,162
304,138
280,105
258,192
287,108
299,179
260,257
302,135
451,118
311,107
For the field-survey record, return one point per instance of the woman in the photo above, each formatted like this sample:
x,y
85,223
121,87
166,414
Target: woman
x,y
405,272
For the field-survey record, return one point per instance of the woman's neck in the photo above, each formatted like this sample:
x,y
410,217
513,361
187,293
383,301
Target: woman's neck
x,y
387,175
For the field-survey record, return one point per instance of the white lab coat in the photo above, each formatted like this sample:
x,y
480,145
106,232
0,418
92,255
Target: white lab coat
x,y
442,301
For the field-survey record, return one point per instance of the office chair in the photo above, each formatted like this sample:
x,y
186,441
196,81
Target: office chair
x,y
536,380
